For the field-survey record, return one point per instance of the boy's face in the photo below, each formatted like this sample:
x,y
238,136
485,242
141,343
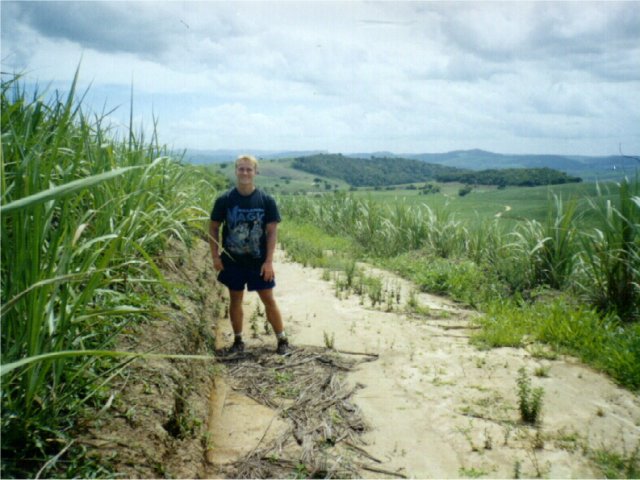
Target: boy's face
x,y
245,172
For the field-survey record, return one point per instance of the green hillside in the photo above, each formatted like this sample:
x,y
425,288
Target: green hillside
x,y
360,172
587,167
385,171
521,177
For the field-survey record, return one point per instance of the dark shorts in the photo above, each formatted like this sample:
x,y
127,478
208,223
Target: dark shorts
x,y
235,277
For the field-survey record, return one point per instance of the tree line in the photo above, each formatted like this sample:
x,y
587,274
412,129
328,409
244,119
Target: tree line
x,y
383,171
521,177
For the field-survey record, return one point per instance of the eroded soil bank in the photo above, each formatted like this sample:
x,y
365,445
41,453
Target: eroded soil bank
x,y
415,399
154,422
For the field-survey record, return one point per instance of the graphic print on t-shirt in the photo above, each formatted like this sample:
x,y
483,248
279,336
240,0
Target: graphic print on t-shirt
x,y
245,231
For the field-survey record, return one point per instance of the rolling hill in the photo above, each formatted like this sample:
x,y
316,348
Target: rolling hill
x,y
384,171
589,168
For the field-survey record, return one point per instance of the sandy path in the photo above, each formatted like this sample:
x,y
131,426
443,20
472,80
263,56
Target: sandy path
x,y
440,408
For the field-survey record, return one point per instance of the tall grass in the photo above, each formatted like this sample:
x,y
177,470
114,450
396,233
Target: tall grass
x,y
611,254
601,341
601,263
541,253
83,216
597,263
380,229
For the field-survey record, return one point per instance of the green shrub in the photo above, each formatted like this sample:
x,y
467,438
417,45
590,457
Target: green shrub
x,y
611,254
603,342
462,280
311,246
529,399
82,217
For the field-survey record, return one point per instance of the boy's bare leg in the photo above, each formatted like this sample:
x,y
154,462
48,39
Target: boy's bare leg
x,y
272,310
235,310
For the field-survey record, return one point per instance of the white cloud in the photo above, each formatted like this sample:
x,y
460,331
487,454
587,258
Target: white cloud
x,y
346,76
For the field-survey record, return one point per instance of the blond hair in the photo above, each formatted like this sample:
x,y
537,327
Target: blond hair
x,y
250,158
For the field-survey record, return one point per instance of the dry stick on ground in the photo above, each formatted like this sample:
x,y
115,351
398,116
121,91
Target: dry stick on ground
x,y
433,335
310,359
380,470
459,327
362,451
308,389
350,352
52,461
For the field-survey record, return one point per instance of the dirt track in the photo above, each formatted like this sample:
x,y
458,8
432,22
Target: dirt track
x,y
437,407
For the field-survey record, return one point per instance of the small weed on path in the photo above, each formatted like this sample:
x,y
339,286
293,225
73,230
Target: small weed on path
x,y
329,340
529,399
618,465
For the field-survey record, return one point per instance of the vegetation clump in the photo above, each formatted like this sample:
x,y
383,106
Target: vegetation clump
x,y
529,399
382,171
520,177
84,219
584,254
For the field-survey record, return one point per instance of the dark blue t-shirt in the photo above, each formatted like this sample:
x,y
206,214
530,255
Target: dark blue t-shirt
x,y
244,220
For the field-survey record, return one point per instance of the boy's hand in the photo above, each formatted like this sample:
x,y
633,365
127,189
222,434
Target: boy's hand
x,y
217,264
267,271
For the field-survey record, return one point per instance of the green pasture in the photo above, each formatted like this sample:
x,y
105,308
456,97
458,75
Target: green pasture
x,y
508,205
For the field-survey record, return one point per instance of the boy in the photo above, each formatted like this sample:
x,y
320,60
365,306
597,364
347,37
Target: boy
x,y
250,218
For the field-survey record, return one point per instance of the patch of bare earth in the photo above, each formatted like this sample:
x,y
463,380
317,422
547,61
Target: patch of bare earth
x,y
438,407
398,394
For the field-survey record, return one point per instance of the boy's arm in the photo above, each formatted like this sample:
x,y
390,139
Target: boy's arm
x,y
267,271
214,236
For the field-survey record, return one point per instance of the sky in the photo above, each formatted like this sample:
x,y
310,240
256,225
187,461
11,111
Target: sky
x,y
344,76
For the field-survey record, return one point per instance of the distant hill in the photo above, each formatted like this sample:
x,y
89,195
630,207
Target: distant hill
x,y
385,171
205,157
586,167
369,172
589,168
521,177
